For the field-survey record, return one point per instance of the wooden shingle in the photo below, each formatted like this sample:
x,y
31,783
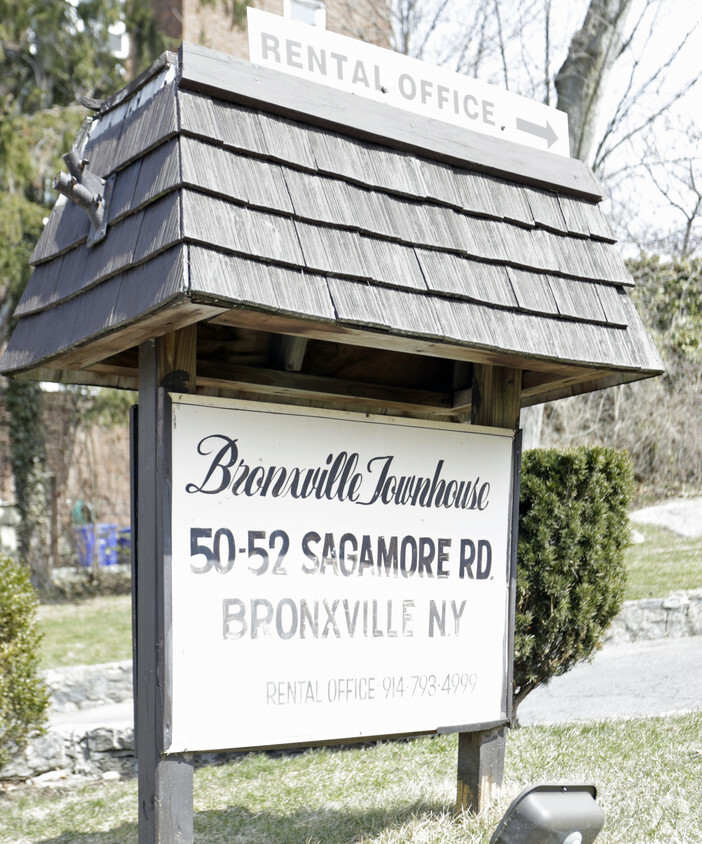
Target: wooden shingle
x,y
253,283
441,183
615,303
533,291
159,228
574,299
236,196
101,152
239,229
251,181
67,225
145,128
360,304
315,200
123,192
135,295
392,264
158,174
199,115
332,251
545,209
286,141
466,278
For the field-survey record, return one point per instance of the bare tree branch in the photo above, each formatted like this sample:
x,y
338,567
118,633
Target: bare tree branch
x,y
630,98
547,52
500,37
647,122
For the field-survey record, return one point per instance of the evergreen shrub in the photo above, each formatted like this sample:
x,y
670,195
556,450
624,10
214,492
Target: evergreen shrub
x,y
573,531
23,696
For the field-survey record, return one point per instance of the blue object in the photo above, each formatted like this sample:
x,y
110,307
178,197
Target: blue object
x,y
104,539
107,544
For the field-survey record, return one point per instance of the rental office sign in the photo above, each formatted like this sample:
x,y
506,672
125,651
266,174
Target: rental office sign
x,y
383,75
334,576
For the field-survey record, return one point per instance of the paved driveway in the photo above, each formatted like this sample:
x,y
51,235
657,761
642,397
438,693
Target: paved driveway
x,y
625,680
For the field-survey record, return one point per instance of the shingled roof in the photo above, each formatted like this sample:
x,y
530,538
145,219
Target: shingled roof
x,y
256,205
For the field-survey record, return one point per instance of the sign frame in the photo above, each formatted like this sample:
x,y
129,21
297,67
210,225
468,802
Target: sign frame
x,y
169,401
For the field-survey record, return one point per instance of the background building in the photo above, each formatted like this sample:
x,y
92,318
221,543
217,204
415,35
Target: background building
x,y
222,26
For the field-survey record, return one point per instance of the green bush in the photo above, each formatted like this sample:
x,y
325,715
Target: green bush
x,y
573,530
23,696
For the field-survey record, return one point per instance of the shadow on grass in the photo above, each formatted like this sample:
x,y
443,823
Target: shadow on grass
x,y
326,826
125,833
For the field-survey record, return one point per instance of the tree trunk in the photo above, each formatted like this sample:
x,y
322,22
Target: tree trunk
x,y
28,461
582,79
531,423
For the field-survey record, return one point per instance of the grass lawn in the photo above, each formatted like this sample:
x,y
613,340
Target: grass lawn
x,y
664,563
86,632
648,774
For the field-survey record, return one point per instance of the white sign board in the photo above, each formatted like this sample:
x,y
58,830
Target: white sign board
x,y
378,74
333,576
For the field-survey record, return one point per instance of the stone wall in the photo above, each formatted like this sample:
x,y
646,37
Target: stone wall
x,y
68,748
87,686
658,618
64,752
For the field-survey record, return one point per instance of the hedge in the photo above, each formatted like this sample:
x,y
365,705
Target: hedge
x,y
573,531
23,696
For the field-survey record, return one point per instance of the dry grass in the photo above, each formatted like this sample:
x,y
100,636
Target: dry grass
x,y
648,773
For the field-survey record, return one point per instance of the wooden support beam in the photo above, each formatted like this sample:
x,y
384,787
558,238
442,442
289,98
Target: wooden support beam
x,y
177,355
277,323
288,352
462,376
165,782
496,396
496,393
291,386
164,321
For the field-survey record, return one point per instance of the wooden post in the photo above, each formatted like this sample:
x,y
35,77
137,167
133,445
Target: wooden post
x,y
496,394
481,766
165,783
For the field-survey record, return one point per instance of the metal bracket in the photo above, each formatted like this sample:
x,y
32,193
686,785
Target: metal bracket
x,y
86,189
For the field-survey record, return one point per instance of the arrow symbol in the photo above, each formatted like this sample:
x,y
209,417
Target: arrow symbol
x,y
546,132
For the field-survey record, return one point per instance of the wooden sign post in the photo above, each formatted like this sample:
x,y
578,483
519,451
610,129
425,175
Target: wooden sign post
x,y
165,782
481,754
